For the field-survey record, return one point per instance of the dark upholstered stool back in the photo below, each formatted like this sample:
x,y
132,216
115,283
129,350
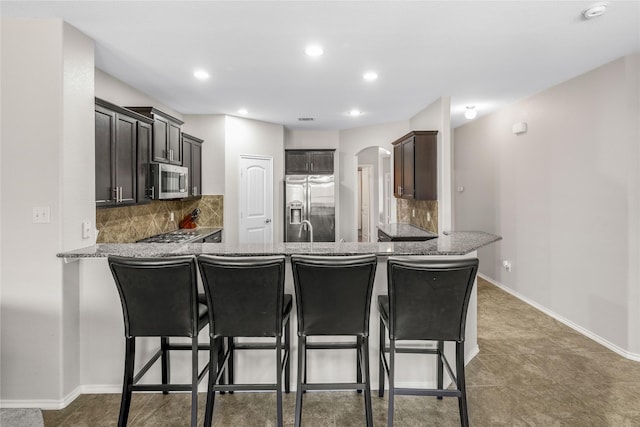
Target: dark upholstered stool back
x,y
428,299
159,295
333,294
245,293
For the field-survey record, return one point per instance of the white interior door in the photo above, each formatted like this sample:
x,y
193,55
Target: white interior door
x,y
256,199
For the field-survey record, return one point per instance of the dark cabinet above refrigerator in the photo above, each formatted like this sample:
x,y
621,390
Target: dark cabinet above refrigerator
x,y
312,162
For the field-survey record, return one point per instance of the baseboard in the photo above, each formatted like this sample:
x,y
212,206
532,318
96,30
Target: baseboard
x,y
46,404
587,333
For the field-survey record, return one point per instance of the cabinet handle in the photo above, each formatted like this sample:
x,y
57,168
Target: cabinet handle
x,y
311,166
195,191
153,192
121,199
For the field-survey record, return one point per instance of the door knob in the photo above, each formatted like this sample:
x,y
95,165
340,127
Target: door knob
x,y
267,221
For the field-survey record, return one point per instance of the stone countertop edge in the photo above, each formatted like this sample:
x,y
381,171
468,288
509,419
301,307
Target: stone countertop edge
x,y
404,230
453,243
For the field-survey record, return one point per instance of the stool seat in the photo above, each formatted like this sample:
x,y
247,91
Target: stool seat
x,y
159,299
246,299
333,297
427,300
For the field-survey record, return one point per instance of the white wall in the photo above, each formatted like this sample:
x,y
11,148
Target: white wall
x,y
310,139
244,136
47,120
210,128
117,92
565,197
437,116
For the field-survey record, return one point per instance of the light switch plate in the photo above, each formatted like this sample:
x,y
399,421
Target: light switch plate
x,y
41,215
86,229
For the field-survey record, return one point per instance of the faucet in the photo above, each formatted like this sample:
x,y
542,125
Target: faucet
x,y
307,225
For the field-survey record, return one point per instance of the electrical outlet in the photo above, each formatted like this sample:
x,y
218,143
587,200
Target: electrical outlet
x,y
428,216
171,217
507,265
86,229
41,215
413,213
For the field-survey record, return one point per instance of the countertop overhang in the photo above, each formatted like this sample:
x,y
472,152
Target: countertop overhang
x,y
453,243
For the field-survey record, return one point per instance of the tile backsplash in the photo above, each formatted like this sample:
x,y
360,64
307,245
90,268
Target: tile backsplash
x,y
426,213
128,224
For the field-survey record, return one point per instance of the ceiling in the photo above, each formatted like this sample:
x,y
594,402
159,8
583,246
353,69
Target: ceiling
x,y
487,54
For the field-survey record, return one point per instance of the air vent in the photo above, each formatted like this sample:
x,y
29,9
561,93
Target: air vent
x,y
306,119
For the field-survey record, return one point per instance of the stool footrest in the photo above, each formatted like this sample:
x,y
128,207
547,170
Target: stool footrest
x,y
426,392
334,386
331,345
240,387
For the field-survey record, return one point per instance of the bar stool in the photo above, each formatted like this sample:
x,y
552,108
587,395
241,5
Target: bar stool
x,y
246,299
427,300
159,299
333,297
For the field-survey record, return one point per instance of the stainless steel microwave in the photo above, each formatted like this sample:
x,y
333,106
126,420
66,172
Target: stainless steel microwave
x,y
169,181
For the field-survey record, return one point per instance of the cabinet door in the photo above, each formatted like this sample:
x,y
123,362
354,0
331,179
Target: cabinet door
x,y
144,158
160,131
321,162
126,158
296,162
397,170
196,167
175,144
188,163
408,169
105,122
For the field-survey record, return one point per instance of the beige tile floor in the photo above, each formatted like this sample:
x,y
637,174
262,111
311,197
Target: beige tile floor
x,y
531,371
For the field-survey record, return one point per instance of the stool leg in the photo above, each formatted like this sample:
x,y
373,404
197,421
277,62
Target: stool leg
x,y
440,366
462,400
214,344
194,381
279,381
301,367
125,402
230,365
392,354
287,348
367,381
166,368
358,358
381,372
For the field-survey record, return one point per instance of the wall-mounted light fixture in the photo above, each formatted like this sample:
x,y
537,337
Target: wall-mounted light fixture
x,y
470,112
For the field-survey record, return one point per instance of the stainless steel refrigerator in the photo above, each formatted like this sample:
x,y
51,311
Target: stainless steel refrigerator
x,y
311,198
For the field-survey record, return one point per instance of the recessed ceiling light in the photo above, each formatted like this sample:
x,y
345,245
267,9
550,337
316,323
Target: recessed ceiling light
x,y
594,11
370,76
314,50
243,111
355,113
470,112
201,74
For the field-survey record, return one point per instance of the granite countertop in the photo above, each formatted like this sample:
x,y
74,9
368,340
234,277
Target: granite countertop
x,y
454,243
399,230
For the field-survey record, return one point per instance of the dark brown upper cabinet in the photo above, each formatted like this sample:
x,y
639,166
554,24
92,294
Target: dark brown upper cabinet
x,y
192,159
119,163
308,162
415,166
167,135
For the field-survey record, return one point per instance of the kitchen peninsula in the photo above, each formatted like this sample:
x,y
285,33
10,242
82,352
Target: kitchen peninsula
x,y
100,316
